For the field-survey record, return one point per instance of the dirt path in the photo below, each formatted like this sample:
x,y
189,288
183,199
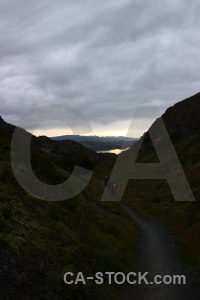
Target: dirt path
x,y
156,254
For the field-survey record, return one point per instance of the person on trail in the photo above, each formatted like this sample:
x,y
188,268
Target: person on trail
x,y
106,179
114,188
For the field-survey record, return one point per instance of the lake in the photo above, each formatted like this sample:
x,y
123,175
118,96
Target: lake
x,y
115,151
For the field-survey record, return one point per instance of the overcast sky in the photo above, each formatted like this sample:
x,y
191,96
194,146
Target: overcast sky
x,y
103,58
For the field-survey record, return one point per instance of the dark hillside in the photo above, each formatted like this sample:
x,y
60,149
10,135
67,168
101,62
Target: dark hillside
x,y
182,122
41,240
154,196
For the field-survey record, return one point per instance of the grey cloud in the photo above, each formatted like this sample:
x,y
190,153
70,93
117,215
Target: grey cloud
x,y
103,58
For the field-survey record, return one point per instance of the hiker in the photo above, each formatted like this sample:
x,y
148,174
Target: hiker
x,y
114,188
106,179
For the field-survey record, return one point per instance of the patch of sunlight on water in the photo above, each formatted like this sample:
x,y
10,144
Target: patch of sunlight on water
x,y
115,151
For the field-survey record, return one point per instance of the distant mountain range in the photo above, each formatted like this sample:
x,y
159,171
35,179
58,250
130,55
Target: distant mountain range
x,y
99,143
81,138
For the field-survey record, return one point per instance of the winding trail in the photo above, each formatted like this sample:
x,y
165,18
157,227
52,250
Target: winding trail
x,y
156,254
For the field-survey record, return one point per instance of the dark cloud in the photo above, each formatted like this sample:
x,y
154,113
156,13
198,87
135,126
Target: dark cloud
x,y
103,58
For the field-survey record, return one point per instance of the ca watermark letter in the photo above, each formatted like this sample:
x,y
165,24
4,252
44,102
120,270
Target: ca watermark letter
x,y
21,154
168,168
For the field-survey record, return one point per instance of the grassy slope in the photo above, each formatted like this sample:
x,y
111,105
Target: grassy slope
x,y
154,196
40,240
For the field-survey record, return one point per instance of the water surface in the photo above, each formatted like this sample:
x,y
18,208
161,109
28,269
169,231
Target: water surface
x,y
115,151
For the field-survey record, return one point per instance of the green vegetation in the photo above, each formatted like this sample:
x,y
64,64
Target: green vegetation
x,y
153,197
41,240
